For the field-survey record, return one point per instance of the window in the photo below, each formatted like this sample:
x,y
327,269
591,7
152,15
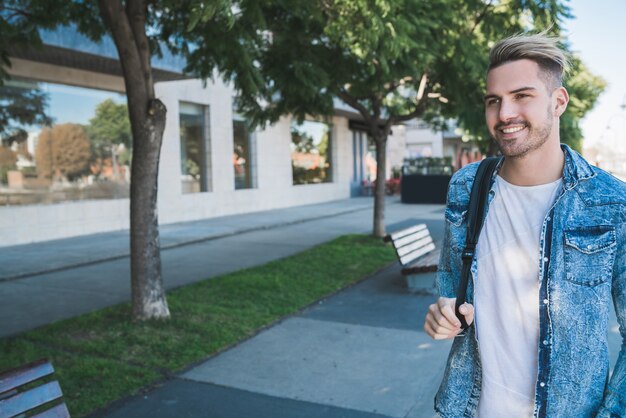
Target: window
x,y
311,152
194,148
243,156
62,143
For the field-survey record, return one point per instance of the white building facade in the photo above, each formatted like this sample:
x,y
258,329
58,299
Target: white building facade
x,y
210,164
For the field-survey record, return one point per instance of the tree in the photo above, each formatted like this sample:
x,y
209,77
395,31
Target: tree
x,y
138,29
584,89
108,129
63,151
109,126
8,158
390,60
22,104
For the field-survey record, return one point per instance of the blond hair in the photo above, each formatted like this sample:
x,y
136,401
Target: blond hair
x,y
540,47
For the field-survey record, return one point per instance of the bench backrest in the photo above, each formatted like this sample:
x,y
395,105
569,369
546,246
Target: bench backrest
x,y
15,399
411,243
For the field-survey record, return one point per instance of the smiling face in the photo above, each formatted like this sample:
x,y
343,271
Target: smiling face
x,y
521,108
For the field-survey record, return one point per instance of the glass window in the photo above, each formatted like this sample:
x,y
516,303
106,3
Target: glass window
x,y
193,148
311,152
370,160
62,143
243,154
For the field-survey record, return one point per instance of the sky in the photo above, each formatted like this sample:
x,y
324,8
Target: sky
x,y
597,34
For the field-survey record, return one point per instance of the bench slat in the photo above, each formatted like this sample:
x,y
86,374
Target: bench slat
x,y
399,234
30,399
407,258
25,374
427,263
401,242
414,246
59,411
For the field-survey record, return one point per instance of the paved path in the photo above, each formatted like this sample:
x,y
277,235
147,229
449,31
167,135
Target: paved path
x,y
358,354
64,278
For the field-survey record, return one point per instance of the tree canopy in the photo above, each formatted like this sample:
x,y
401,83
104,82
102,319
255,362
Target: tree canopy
x,y
109,126
389,60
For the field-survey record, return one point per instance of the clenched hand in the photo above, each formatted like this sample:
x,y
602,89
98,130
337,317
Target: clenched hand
x,y
441,322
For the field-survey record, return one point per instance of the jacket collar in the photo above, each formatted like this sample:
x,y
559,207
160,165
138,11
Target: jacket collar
x,y
576,168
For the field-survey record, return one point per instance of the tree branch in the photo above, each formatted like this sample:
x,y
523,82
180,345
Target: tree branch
x,y
136,11
420,106
480,16
354,103
16,12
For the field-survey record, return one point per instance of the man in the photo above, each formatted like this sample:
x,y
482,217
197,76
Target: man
x,y
550,258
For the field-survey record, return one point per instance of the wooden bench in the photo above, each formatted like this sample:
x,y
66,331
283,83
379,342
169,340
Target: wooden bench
x,y
416,252
29,388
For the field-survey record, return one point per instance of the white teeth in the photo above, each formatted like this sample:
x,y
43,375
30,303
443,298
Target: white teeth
x,y
512,130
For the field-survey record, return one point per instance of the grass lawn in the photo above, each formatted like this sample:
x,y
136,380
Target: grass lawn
x,y
102,356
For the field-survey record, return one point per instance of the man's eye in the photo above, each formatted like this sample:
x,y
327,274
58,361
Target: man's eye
x,y
521,96
492,102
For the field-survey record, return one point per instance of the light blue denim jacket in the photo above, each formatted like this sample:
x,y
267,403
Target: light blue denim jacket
x,y
582,265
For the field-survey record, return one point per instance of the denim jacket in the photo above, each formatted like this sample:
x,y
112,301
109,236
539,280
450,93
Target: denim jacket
x,y
582,266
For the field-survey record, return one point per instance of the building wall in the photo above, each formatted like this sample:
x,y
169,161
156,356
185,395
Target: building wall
x,y
274,188
422,140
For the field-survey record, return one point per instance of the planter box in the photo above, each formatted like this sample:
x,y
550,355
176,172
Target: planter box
x,y
424,188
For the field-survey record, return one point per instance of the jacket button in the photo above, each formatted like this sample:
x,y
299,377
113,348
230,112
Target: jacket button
x,y
545,301
542,384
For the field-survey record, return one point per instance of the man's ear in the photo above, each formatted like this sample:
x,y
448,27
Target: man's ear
x,y
561,101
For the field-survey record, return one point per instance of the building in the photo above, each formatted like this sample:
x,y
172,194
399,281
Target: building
x,y
72,178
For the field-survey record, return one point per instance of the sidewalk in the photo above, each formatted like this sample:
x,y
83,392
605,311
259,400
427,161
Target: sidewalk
x,y
358,354
65,278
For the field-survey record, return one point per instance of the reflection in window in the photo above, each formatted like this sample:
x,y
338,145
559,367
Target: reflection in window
x,y
311,152
62,143
193,148
370,160
243,154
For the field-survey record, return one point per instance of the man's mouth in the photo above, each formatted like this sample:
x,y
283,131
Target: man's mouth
x,y
509,131
512,129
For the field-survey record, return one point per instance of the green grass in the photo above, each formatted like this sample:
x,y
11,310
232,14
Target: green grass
x,y
104,355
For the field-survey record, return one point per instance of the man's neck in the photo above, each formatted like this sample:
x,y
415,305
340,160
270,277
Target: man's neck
x,y
541,166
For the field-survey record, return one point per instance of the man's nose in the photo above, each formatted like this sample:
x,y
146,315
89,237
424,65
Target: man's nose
x,y
508,111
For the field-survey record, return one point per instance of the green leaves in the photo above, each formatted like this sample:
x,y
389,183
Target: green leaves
x,y
204,11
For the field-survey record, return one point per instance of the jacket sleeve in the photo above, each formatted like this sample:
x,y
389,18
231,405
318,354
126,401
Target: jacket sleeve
x,y
445,279
614,403
445,282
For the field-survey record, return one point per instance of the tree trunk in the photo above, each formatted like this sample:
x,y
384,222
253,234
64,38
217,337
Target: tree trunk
x,y
127,23
148,295
379,191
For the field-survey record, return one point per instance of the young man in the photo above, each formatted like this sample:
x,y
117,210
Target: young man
x,y
549,262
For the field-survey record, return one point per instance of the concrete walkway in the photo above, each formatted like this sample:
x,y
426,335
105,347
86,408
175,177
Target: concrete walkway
x,y
360,353
64,278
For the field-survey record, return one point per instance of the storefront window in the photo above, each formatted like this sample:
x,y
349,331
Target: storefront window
x,y
311,152
193,148
62,143
243,154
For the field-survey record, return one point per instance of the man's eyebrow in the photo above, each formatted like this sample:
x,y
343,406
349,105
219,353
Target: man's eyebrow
x,y
495,96
521,89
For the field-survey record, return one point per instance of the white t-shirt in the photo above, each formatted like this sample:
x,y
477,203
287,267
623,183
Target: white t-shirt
x,y
506,297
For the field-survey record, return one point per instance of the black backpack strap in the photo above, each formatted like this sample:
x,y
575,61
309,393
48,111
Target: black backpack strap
x,y
475,219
